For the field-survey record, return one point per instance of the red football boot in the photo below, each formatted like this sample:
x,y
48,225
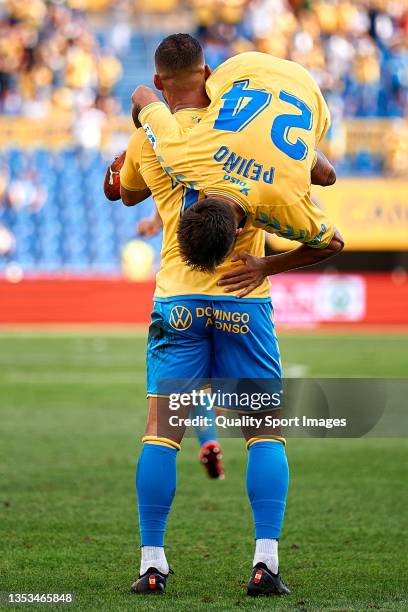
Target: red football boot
x,y
210,456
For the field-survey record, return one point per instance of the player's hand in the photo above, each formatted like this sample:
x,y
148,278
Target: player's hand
x,y
149,227
141,97
246,277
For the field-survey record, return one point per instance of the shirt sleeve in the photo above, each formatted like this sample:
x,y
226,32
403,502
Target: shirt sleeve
x,y
168,139
304,222
130,176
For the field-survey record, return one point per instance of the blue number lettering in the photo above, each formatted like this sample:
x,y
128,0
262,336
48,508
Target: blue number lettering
x,y
283,123
241,106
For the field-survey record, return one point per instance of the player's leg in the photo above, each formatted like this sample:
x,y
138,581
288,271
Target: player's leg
x,y
155,487
191,357
252,353
210,454
267,483
171,355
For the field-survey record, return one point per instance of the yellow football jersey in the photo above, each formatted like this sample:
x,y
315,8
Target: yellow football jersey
x,y
255,144
174,278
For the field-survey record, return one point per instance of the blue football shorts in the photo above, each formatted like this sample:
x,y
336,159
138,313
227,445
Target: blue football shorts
x,y
192,338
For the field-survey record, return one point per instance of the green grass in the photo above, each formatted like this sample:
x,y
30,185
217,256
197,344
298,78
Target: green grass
x,y
72,410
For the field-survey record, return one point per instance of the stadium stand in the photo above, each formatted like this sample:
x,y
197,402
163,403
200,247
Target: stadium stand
x,y
357,51
56,209
76,74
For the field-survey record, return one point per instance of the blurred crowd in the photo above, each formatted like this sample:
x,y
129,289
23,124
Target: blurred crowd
x,y
357,50
51,61
23,191
7,241
79,59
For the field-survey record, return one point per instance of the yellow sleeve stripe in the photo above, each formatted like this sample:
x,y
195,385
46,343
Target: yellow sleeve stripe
x,y
269,439
161,442
157,395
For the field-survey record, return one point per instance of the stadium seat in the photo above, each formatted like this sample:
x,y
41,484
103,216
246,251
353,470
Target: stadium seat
x,y
76,229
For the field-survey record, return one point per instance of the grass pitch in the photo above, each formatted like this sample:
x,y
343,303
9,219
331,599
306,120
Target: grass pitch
x,y
72,410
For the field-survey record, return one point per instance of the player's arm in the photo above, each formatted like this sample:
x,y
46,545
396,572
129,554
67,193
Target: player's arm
x,y
255,269
304,223
133,188
323,172
142,97
167,137
150,226
131,198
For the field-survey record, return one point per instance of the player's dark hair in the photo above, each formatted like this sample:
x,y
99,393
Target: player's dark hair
x,y
178,52
206,234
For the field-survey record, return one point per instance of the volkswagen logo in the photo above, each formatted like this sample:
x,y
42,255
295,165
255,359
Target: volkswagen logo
x,y
180,317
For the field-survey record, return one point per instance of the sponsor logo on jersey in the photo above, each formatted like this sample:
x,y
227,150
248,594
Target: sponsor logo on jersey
x,y
150,135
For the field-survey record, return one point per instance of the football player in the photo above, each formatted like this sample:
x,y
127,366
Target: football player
x,y
210,454
196,329
252,156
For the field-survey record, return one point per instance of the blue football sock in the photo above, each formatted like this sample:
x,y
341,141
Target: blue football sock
x,y
155,486
206,433
267,487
